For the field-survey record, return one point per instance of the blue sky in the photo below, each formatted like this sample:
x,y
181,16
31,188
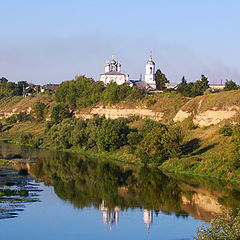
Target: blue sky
x,y
46,41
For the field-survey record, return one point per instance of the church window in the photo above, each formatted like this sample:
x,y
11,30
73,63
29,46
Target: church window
x,y
150,70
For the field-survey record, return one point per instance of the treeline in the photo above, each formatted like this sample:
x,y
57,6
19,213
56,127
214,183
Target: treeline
x,y
193,89
83,92
10,89
153,142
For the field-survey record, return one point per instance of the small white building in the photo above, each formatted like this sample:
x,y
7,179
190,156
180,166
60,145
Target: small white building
x,y
113,73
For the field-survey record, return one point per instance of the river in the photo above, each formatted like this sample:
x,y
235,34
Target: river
x,y
72,197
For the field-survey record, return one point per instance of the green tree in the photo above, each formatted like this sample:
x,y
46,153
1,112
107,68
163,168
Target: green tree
x,y
151,149
12,119
184,88
23,117
161,80
230,85
60,112
173,141
111,134
39,111
193,89
133,140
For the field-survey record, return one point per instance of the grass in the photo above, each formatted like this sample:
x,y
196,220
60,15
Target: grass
x,y
214,101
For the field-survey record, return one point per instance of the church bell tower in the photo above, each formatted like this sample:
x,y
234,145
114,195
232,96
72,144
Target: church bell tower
x,y
150,73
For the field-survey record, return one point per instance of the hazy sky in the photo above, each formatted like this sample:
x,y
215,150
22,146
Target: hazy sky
x,y
43,41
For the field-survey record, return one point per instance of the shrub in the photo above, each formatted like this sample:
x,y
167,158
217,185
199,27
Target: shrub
x,y
226,227
12,119
39,111
151,149
111,134
133,139
150,102
147,126
23,117
190,124
26,138
60,112
230,85
173,142
226,130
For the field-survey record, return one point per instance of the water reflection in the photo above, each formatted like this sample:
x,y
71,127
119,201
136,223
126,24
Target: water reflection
x,y
113,188
16,190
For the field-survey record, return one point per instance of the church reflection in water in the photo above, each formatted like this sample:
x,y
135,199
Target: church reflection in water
x,y
86,182
111,217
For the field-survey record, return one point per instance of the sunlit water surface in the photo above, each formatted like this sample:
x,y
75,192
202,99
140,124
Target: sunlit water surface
x,y
80,198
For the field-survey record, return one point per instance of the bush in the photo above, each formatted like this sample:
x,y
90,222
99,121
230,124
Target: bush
x,y
133,140
26,138
190,124
60,112
12,119
230,85
226,130
151,149
226,227
173,142
147,126
111,134
39,111
150,102
1,126
23,117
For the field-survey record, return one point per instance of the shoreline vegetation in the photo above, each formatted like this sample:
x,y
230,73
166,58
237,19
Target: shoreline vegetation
x,y
181,147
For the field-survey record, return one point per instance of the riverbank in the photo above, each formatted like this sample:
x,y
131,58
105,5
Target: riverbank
x,y
183,166
205,152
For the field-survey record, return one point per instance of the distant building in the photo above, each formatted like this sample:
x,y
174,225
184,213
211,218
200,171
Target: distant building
x,y
150,73
216,87
50,86
171,85
113,73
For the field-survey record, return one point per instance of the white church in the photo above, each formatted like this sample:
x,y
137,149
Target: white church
x,y
113,74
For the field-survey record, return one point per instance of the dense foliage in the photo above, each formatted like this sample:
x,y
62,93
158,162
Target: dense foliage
x,y
153,142
9,89
230,85
193,89
226,227
39,111
60,112
161,80
226,130
83,92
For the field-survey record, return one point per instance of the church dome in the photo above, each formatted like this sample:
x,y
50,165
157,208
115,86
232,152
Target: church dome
x,y
150,62
113,62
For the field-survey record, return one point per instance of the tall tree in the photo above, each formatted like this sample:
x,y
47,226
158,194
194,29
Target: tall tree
x,y
161,80
230,85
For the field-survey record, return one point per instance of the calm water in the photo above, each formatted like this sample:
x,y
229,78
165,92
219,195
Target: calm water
x,y
74,197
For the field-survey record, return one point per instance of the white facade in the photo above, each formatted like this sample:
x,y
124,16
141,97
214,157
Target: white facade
x,y
113,73
150,73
